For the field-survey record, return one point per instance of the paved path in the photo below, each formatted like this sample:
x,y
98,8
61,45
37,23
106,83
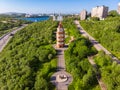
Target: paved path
x,y
5,39
98,75
95,43
61,85
61,70
61,61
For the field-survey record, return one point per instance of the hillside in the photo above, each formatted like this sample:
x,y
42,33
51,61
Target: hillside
x,y
28,61
107,32
8,23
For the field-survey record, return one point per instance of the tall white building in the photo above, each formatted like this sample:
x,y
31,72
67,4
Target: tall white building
x,y
60,18
57,17
54,18
118,8
100,11
83,14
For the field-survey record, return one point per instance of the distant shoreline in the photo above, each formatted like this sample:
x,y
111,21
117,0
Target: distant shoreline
x,y
35,19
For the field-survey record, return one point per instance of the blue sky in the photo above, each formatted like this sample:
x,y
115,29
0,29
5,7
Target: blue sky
x,y
57,6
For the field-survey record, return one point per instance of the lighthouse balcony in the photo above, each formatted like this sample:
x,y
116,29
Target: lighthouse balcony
x,y
60,37
60,40
60,32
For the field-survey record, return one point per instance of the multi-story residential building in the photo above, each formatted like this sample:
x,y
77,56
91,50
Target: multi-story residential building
x,y
100,11
83,14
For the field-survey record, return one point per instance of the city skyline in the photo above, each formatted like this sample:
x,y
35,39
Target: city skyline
x,y
53,6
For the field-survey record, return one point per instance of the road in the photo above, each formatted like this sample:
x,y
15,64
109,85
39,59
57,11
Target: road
x,y
5,39
95,43
61,70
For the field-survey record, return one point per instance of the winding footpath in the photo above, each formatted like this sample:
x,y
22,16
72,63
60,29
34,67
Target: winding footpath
x,y
61,71
5,39
98,75
95,43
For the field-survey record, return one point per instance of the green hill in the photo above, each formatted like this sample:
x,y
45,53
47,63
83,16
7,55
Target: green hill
x,y
28,61
107,32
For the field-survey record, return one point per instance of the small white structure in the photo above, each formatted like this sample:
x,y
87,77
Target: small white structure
x,y
61,78
60,18
54,18
28,15
100,11
57,17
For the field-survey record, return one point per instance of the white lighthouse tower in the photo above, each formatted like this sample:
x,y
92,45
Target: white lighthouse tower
x,y
60,36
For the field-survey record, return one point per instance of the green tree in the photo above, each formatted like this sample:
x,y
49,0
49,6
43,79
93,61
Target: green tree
x,y
41,84
113,13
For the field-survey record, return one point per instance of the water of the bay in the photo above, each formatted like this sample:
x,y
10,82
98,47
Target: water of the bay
x,y
35,19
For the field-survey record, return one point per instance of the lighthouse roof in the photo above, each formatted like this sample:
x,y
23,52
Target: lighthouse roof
x,y
60,25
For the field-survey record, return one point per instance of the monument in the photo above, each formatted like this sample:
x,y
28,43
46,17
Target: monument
x,y
60,36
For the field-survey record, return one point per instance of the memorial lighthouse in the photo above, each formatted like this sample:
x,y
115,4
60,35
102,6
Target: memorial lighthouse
x,y
60,36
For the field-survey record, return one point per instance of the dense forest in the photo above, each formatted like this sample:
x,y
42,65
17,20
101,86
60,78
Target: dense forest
x,y
84,77
107,32
8,23
77,64
110,71
28,61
